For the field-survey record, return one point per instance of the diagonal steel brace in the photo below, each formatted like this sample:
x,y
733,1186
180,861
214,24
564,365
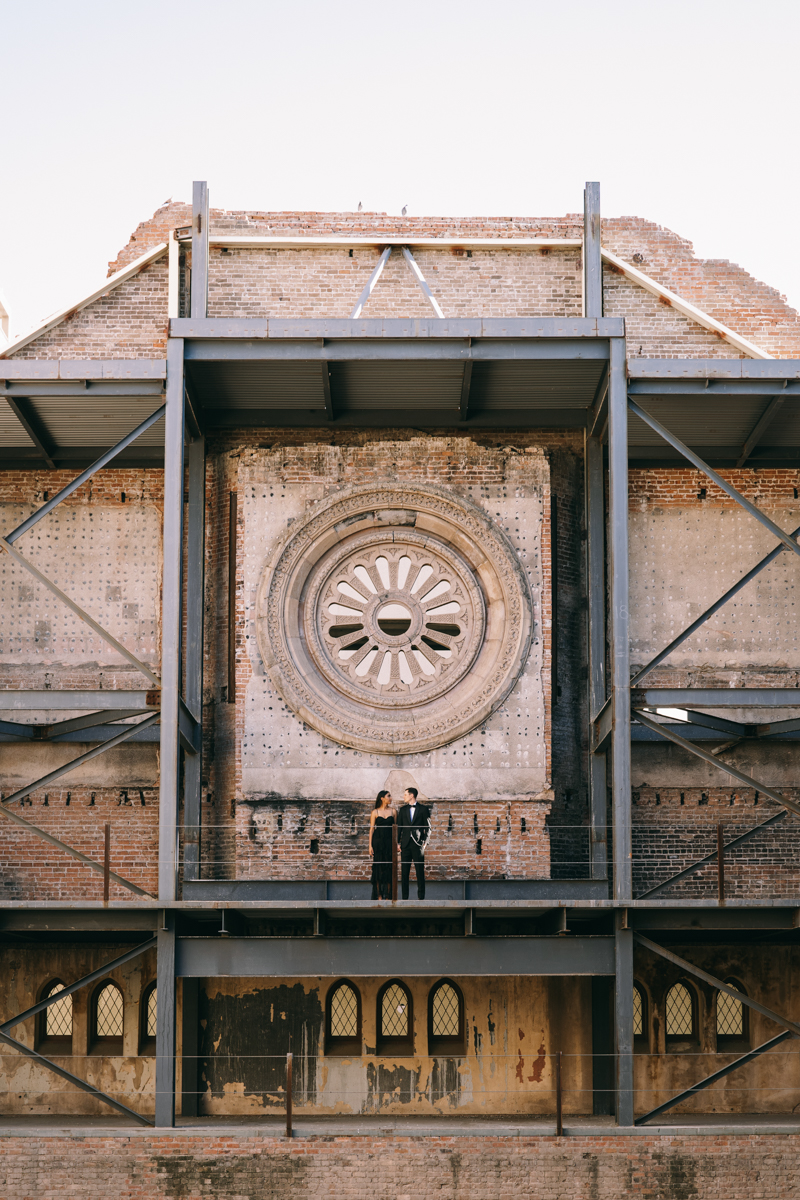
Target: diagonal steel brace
x,y
791,805
726,487
83,982
84,616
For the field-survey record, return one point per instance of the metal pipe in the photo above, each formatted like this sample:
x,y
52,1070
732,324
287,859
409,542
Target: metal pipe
x,y
289,1094
695,459
233,516
35,517
720,866
715,607
199,295
106,861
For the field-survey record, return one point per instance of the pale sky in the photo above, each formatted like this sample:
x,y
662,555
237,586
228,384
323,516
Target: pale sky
x,y
685,110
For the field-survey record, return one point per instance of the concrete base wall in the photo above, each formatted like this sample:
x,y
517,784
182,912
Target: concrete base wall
x,y
232,1165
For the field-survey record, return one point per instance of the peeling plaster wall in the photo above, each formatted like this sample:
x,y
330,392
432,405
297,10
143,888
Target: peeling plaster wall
x,y
513,1025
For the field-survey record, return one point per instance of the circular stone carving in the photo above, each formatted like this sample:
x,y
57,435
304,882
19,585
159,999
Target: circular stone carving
x,y
394,620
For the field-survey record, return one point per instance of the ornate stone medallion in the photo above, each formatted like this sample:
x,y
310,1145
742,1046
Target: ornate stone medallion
x,y
394,620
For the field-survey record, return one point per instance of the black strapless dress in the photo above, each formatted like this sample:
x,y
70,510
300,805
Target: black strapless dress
x,y
382,858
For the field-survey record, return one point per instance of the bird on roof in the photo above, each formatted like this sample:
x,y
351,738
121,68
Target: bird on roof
x,y
359,206
164,203
404,210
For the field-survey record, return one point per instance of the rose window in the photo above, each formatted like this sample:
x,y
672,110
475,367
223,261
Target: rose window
x,y
394,619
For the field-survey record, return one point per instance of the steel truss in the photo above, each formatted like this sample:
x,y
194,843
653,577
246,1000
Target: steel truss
x,y
614,699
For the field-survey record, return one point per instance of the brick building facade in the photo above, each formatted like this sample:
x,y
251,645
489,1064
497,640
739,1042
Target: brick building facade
x,y
316,430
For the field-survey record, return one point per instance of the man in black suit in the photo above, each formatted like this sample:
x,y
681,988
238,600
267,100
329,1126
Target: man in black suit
x,y
414,827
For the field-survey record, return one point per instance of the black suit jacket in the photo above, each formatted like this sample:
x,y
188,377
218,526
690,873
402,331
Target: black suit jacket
x,y
419,830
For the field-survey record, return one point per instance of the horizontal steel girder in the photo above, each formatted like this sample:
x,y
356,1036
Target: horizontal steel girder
x,y
715,697
351,956
700,369
716,388
424,350
426,329
49,700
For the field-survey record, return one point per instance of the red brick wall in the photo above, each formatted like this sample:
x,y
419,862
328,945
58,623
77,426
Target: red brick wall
x,y
230,1165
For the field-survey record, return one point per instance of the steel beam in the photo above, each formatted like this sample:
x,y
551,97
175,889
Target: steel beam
x,y
620,652
165,1023
717,1075
719,984
199,296
350,956
339,333
665,731
623,1019
715,697
102,461
709,858
690,370
28,420
762,424
715,607
594,499
172,578
195,607
592,259
75,987
716,478
370,284
52,776
79,612
50,700
420,278
74,1079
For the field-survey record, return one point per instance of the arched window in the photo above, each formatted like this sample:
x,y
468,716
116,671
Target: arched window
x,y
733,1031
148,1010
343,1019
446,1031
54,1032
681,1017
395,1019
641,1024
107,1019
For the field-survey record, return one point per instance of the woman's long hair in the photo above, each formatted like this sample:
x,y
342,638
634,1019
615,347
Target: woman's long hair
x,y
379,797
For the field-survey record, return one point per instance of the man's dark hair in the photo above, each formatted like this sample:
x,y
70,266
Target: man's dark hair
x,y
413,791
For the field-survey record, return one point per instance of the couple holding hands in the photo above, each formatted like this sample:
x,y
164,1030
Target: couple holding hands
x,y
413,830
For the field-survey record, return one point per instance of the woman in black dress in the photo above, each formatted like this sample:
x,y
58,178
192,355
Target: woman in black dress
x,y
380,846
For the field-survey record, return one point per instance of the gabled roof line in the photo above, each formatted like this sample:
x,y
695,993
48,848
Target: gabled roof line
x,y
684,307
108,285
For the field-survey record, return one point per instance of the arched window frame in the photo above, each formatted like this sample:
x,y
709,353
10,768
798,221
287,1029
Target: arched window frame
x,y
44,1041
733,1041
641,1041
447,1045
106,1044
348,1047
147,1043
675,1042
394,1045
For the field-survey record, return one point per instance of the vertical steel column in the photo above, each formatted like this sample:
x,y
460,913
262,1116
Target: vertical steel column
x,y
594,488
165,1023
171,624
620,655
195,605
199,299
623,1005
592,262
